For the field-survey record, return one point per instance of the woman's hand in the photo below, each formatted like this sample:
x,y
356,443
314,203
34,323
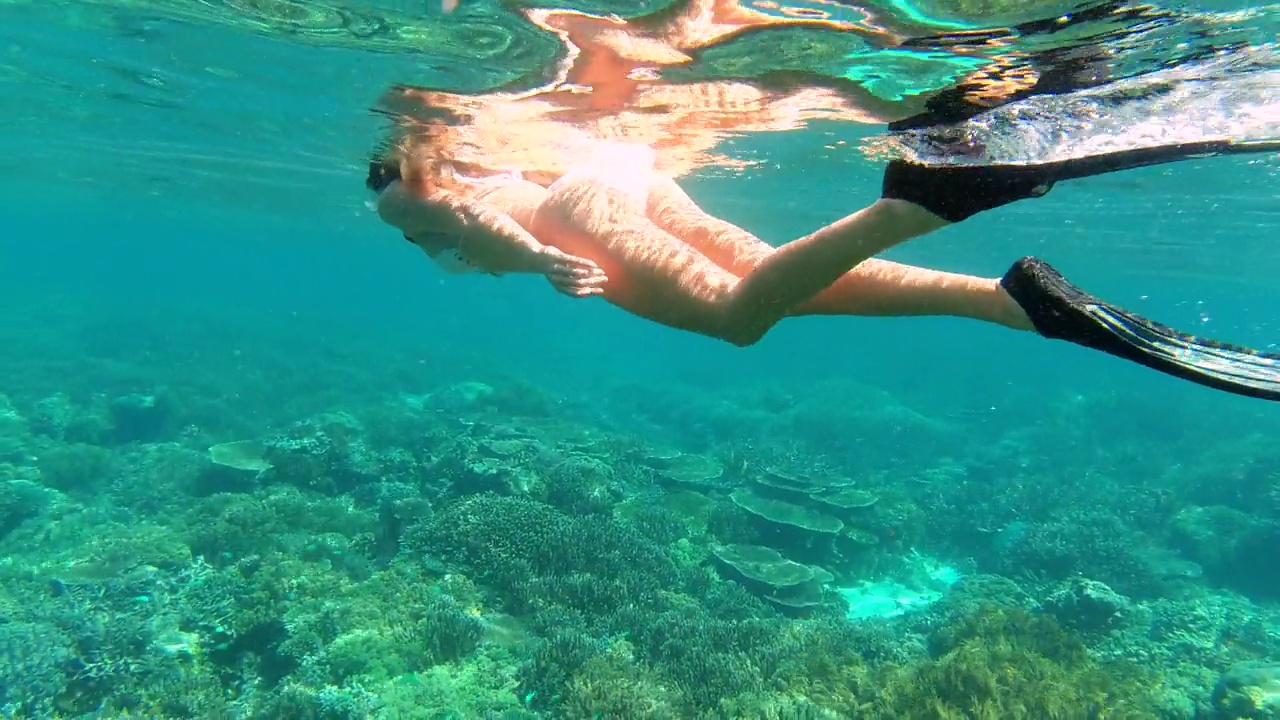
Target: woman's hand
x,y
572,275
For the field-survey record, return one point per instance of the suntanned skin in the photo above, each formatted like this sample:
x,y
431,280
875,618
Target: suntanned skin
x,y
657,255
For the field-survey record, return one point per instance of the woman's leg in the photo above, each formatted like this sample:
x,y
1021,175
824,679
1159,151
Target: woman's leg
x,y
670,281
657,274
873,287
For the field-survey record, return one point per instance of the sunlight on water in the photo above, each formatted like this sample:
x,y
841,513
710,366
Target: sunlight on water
x,y
264,104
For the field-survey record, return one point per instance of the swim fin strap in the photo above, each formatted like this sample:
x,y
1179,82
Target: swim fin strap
x,y
1061,311
1142,157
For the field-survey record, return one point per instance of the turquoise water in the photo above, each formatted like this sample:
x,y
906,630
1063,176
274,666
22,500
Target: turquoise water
x,y
189,261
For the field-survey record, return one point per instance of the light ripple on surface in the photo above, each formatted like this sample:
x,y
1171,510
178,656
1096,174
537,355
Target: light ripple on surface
x,y
217,102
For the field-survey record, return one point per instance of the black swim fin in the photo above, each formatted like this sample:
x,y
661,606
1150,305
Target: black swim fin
x,y
1061,311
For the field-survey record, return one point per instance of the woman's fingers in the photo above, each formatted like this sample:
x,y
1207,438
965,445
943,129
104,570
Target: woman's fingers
x,y
575,276
576,282
578,272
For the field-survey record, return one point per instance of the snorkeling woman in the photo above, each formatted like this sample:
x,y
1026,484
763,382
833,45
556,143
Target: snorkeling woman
x,y
631,235
594,206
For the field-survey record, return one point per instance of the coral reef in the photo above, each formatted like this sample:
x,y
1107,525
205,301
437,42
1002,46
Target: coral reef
x,y
486,550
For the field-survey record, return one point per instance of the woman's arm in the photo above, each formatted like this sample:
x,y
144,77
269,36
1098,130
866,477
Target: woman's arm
x,y
494,241
488,237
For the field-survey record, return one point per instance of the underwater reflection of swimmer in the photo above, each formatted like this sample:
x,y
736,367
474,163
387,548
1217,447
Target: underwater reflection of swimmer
x,y
601,215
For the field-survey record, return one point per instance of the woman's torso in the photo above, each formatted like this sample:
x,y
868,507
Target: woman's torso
x,y
599,212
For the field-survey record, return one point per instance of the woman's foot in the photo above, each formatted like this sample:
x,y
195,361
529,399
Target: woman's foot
x,y
1057,309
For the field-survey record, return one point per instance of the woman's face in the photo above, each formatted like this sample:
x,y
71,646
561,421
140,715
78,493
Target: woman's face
x,y
393,205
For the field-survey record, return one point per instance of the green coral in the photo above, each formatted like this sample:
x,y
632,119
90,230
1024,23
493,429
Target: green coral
x,y
534,554
1248,690
824,665
82,550
435,630
226,527
1007,664
480,686
78,468
613,684
326,641
21,500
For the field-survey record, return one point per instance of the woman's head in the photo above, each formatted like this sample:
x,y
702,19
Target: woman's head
x,y
411,156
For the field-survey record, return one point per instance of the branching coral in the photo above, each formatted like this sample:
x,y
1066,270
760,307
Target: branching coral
x,y
1006,664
